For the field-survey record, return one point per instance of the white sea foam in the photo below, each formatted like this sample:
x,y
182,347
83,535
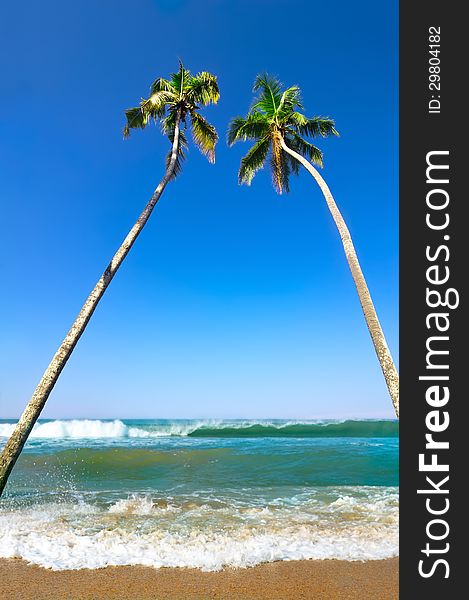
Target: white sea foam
x,y
75,428
140,505
141,530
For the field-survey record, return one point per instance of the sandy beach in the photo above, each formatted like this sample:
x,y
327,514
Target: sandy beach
x,y
296,580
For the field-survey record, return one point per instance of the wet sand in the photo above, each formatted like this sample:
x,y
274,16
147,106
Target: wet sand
x,y
295,580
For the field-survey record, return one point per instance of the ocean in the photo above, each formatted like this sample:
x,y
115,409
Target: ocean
x,y
201,493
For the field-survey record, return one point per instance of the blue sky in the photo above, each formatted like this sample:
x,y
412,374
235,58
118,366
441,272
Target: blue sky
x,y
235,302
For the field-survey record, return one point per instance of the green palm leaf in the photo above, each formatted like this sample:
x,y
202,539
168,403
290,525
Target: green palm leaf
x,y
270,95
253,127
318,127
135,120
296,119
290,99
162,85
155,105
310,151
203,89
204,135
181,79
253,161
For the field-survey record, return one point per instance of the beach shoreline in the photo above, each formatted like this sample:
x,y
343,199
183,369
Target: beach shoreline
x,y
283,580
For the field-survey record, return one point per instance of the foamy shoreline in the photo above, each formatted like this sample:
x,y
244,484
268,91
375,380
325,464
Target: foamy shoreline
x,y
199,532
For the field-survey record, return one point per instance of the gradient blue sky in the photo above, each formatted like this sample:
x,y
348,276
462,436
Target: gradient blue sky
x,y
235,302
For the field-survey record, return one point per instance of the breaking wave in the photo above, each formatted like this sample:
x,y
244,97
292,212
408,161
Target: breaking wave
x,y
97,429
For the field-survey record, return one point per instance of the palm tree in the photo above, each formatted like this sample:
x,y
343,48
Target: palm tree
x,y
277,127
172,102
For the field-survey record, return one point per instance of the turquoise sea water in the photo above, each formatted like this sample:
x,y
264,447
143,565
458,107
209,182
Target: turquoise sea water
x,y
206,494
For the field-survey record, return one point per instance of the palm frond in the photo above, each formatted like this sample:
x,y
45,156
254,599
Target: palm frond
x,y
181,79
309,151
290,99
253,127
161,85
203,89
135,120
155,105
318,127
253,161
296,119
205,135
293,163
267,83
270,94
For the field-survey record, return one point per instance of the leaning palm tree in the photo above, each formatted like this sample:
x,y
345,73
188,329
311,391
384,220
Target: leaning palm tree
x,y
175,103
277,127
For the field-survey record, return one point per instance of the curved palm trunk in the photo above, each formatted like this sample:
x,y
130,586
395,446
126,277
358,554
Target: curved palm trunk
x,y
384,356
15,444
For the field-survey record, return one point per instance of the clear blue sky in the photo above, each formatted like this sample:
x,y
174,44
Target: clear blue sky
x,y
235,302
